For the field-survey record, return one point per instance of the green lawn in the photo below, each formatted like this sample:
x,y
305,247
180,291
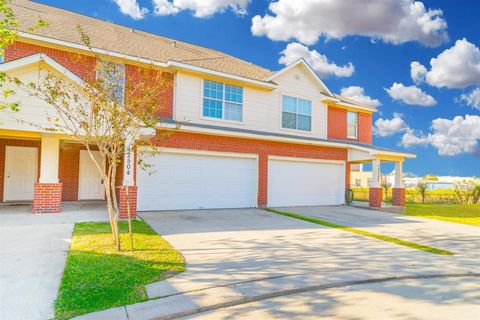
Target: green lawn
x,y
97,277
364,233
460,213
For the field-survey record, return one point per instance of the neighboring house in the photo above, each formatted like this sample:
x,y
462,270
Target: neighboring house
x,y
251,137
360,178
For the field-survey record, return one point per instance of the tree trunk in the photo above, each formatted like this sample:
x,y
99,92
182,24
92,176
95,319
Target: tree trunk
x,y
129,219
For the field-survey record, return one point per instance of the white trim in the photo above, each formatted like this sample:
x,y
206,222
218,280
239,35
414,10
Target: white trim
x,y
182,65
298,140
169,64
200,152
37,58
86,48
350,105
293,65
298,159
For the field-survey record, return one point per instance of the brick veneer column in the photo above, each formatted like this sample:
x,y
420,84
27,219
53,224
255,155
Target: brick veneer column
x,y
123,203
47,198
398,197
262,180
376,197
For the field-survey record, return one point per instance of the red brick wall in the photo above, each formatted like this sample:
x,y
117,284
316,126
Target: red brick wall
x,y
82,65
47,198
261,147
18,143
69,169
165,82
364,127
337,125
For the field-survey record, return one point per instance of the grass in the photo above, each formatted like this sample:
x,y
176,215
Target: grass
x,y
96,277
459,213
363,233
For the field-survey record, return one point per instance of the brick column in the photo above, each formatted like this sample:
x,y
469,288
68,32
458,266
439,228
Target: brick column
x,y
47,198
262,180
123,201
398,197
376,197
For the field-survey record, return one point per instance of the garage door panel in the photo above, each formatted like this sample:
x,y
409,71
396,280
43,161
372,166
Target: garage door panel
x,y
292,183
191,181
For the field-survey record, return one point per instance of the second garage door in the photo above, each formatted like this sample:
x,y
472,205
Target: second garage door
x,y
182,180
293,182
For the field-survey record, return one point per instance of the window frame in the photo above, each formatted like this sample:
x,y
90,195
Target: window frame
x,y
355,137
223,100
124,78
297,98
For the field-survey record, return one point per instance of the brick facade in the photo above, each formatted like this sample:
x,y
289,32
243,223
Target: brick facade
x,y
126,200
47,198
263,148
337,125
375,197
398,197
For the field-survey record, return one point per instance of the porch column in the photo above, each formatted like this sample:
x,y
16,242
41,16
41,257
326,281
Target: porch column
x,y
47,195
376,191
128,190
398,191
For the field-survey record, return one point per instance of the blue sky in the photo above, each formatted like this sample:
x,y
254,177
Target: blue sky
x,y
380,52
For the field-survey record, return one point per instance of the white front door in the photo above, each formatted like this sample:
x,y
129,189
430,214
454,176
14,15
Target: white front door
x,y
297,182
90,181
21,169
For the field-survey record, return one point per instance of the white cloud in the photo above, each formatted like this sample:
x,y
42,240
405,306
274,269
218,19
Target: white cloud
x,y
389,127
131,8
358,94
472,98
393,21
456,67
200,8
449,137
410,95
319,62
417,72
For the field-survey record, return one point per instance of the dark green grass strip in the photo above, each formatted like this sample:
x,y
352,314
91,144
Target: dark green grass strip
x,y
363,233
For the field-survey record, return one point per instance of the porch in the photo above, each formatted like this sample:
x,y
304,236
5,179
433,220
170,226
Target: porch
x,y
375,192
41,171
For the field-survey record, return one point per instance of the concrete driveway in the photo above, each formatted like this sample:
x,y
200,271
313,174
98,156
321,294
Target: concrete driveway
x,y
33,251
239,256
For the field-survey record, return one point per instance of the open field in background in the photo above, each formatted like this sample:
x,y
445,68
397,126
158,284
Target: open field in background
x,y
441,196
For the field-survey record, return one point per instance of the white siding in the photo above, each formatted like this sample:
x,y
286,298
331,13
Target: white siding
x,y
32,109
262,110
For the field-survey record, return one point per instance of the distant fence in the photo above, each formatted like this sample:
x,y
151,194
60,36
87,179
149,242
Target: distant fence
x,y
411,196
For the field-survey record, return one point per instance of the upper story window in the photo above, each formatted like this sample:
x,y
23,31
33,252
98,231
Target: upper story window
x,y
222,101
2,56
113,75
296,113
352,125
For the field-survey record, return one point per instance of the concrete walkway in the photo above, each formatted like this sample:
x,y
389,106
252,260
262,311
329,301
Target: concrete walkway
x,y
33,250
463,240
243,255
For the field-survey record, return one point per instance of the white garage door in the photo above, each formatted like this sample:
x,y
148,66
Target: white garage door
x,y
301,183
177,181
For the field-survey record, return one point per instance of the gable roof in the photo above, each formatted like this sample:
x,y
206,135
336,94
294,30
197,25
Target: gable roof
x,y
115,38
37,58
301,62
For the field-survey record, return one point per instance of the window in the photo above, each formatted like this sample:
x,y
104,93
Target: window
x,y
296,113
114,76
222,101
352,125
2,56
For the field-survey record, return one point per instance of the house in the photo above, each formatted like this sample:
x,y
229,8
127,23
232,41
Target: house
x,y
358,177
251,137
